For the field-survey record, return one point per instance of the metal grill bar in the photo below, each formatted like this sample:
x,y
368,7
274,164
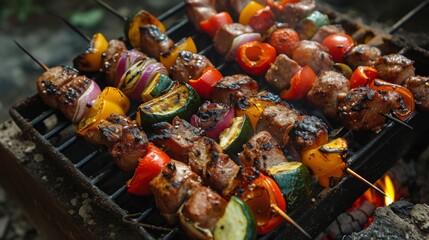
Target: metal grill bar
x,y
86,159
172,11
58,128
103,174
41,117
67,143
118,192
407,17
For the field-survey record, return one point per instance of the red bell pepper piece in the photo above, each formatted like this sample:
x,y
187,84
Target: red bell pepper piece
x,y
204,85
407,106
259,197
262,20
338,44
300,84
211,25
256,57
149,166
362,76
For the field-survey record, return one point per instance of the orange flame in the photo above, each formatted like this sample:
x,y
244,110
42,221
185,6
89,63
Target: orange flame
x,y
386,184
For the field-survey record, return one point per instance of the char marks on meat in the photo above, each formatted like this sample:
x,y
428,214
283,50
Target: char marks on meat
x,y
361,108
308,133
313,54
262,152
111,57
394,68
362,55
281,72
278,120
199,10
226,35
176,139
325,31
172,187
419,86
153,41
329,87
189,66
230,88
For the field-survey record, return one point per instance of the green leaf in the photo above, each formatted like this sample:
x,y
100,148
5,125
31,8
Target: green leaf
x,y
87,19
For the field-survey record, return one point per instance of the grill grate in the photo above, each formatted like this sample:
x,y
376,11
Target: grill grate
x,y
94,170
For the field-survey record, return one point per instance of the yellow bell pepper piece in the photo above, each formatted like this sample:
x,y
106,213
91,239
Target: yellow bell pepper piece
x,y
249,11
110,101
169,58
90,60
137,20
327,162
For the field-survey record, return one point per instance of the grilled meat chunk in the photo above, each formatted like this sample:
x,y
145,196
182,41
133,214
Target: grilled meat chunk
x,y
189,66
176,139
111,57
208,116
294,12
262,152
125,139
226,35
172,187
202,210
419,86
230,88
325,31
362,55
199,10
153,41
394,68
281,72
313,54
362,107
308,133
278,120
216,168
329,87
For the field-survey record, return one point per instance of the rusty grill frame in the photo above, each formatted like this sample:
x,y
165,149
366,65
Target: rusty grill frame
x,y
53,134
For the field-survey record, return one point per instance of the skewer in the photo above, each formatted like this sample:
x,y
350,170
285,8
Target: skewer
x,y
112,10
397,120
289,220
42,65
74,28
359,177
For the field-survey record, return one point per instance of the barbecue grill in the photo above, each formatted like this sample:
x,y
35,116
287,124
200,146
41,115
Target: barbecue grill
x,y
93,170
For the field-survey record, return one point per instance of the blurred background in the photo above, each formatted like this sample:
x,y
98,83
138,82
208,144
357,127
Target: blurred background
x,y
51,41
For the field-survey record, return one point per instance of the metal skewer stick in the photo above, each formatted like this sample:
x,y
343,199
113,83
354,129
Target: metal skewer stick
x,y
42,65
74,28
290,220
112,10
396,120
359,177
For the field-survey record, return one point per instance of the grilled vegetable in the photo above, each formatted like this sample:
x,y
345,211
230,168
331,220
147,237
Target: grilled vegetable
x,y
111,100
204,85
231,139
211,25
308,26
362,76
157,86
294,180
284,40
149,166
300,84
135,21
253,106
90,60
338,44
169,58
344,69
256,57
327,162
238,222
262,20
181,100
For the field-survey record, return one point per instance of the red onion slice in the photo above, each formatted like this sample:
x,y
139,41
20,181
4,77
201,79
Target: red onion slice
x,y
238,41
85,101
120,68
145,78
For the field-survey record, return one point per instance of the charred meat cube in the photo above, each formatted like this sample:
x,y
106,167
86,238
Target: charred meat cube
x,y
262,152
325,31
362,55
172,187
176,139
199,10
230,88
281,72
314,55
419,86
153,41
226,35
294,12
394,68
329,87
189,66
308,133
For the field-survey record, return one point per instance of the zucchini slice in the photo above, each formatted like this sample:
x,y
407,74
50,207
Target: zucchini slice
x,y
294,180
231,139
308,26
157,86
182,101
237,222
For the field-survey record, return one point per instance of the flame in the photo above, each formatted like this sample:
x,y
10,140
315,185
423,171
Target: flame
x,y
385,183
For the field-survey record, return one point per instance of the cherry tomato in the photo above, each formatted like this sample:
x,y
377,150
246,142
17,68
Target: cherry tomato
x,y
338,44
284,40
